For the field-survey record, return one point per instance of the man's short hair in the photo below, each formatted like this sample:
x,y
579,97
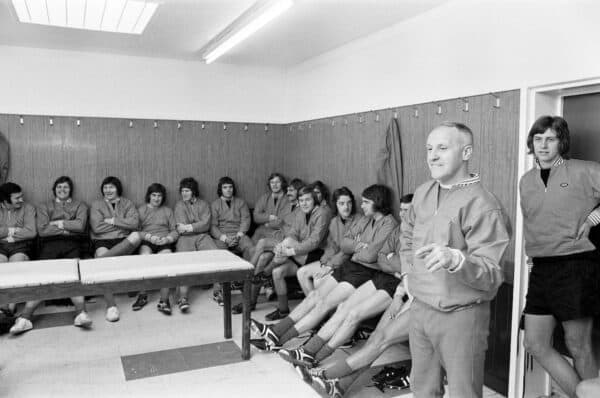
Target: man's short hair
x,y
309,189
281,178
381,197
191,184
61,180
556,124
223,181
156,188
343,191
461,127
297,183
112,181
7,189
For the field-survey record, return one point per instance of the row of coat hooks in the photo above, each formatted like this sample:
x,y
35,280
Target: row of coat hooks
x,y
361,118
155,124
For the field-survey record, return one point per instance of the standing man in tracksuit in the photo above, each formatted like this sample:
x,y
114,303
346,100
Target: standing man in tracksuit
x,y
452,241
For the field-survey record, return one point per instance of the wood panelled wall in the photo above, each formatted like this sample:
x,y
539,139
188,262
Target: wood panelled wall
x,y
138,155
341,150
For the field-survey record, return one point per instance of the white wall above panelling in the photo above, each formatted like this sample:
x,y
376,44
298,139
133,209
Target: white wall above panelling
x,y
448,49
58,82
461,48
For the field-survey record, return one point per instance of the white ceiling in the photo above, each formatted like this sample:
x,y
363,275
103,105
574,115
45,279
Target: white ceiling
x,y
180,28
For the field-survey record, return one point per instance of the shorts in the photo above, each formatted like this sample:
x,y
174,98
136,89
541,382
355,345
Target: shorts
x,y
107,243
566,287
60,248
10,249
311,257
357,274
157,248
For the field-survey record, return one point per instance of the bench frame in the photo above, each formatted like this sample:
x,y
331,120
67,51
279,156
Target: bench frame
x,y
70,289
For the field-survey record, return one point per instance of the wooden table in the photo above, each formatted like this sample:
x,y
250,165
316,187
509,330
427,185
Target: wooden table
x,y
50,279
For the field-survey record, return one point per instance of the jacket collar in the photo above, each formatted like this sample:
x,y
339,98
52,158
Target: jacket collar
x,y
556,163
473,179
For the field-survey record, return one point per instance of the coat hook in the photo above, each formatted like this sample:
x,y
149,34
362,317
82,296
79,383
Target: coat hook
x,y
78,123
21,121
51,121
415,112
266,128
130,123
395,114
360,119
178,125
155,124
224,126
377,117
466,106
245,127
439,109
202,126
497,103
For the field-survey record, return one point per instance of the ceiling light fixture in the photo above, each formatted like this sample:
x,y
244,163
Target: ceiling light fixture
x,y
119,16
254,18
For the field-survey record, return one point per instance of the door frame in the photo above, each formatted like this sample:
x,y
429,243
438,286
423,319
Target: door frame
x,y
535,102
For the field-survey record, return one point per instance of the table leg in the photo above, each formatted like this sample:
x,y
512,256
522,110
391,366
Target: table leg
x,y
227,308
246,320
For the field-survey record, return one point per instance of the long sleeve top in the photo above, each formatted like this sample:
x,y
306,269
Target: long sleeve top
x,y
195,212
334,256
388,258
22,218
229,220
158,221
309,234
373,233
73,214
552,214
469,219
266,206
127,219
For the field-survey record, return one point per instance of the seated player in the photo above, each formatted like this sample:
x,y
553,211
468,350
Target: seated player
x,y
17,230
159,234
271,208
262,253
114,221
230,221
61,224
301,245
322,193
363,242
369,300
192,217
333,257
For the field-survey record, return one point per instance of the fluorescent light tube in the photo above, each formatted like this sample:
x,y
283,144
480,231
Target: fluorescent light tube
x,y
242,32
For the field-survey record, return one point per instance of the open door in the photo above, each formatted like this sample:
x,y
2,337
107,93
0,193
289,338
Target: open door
x,y
579,103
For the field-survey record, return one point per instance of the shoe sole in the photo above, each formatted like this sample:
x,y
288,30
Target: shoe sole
x,y
294,361
83,325
18,332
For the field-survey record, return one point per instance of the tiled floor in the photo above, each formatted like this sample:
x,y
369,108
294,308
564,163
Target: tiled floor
x,y
64,361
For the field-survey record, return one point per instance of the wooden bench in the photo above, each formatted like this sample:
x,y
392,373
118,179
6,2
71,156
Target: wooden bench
x,y
49,279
